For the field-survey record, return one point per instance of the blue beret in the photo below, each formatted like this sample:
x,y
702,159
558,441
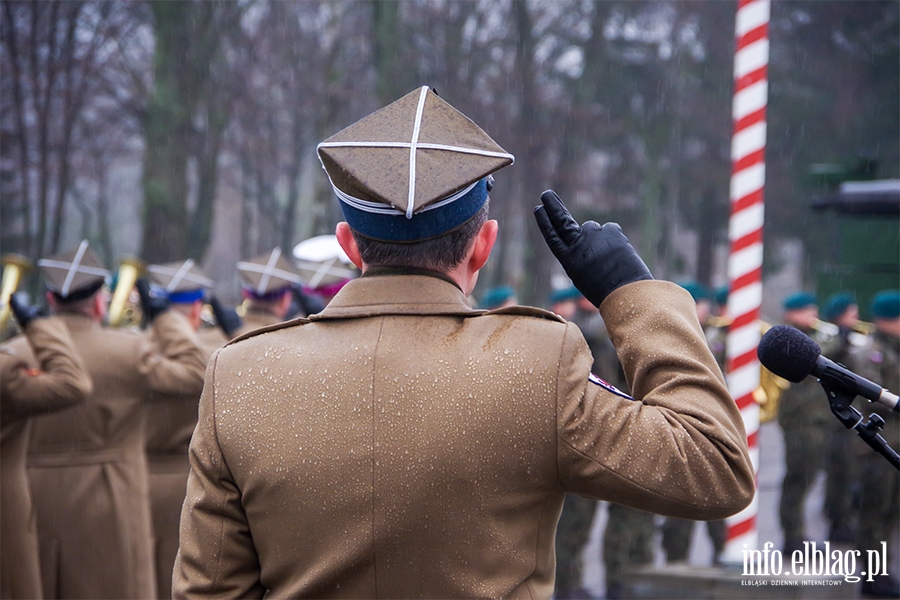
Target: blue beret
x,y
568,293
886,305
799,300
721,295
837,305
698,291
494,297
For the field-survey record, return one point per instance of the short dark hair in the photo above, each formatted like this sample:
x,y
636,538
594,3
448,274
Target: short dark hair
x,y
441,253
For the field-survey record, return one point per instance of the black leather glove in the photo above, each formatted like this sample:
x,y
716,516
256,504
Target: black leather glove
x,y
226,318
24,312
597,258
154,302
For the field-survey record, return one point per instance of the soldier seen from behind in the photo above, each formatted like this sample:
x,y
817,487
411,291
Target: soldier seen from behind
x,y
401,443
86,463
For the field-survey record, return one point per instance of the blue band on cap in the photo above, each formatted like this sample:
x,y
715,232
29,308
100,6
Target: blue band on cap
x,y
188,297
268,296
423,225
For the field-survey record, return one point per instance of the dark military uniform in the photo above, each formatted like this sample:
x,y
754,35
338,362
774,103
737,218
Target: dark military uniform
x,y
60,382
880,483
805,419
842,478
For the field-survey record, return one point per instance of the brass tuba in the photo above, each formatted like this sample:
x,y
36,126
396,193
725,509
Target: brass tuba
x,y
15,266
130,268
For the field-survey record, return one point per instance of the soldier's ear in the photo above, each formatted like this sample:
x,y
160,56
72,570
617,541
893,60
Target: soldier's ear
x,y
346,240
484,243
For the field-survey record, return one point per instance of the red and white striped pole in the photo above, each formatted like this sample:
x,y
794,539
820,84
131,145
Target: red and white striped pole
x,y
745,235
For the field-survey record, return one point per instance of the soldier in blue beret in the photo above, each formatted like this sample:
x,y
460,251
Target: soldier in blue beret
x,y
806,422
880,484
841,310
498,297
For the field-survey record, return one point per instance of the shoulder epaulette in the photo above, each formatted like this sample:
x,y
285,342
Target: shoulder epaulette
x,y
268,328
526,311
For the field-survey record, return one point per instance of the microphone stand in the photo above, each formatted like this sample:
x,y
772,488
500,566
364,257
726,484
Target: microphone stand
x,y
840,400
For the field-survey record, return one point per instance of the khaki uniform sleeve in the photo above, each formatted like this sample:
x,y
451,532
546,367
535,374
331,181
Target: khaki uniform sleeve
x,y
679,447
173,361
61,382
216,556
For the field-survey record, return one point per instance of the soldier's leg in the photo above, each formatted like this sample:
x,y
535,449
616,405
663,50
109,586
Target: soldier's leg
x,y
878,520
676,538
803,448
572,534
641,551
627,542
718,533
839,485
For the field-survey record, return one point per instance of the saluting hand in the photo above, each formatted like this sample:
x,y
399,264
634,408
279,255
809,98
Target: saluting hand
x,y
226,318
24,312
153,302
597,258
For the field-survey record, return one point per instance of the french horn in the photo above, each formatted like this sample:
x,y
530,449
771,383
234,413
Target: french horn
x,y
120,313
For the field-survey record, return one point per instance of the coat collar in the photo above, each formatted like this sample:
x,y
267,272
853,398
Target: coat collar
x,y
397,295
77,321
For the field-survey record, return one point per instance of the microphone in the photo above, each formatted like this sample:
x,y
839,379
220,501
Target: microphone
x,y
791,354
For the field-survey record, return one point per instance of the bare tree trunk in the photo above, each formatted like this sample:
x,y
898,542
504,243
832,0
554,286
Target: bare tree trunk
x,y
42,109
70,110
10,34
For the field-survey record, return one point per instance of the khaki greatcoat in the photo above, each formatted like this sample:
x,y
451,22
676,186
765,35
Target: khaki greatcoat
x,y
170,422
87,464
61,382
401,444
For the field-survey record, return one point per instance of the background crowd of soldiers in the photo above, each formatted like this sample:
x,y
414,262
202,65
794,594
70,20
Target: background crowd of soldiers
x,y
861,497
96,422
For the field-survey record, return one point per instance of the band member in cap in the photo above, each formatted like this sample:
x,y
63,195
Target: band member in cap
x,y
87,463
59,382
171,418
267,281
401,443
325,269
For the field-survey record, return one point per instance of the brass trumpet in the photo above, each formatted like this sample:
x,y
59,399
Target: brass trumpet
x,y
15,266
130,268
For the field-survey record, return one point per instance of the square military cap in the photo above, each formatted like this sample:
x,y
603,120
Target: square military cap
x,y
268,273
74,275
413,170
183,281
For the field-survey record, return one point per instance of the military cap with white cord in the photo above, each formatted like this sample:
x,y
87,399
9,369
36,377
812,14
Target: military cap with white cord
x,y
184,281
322,262
268,275
74,275
413,170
